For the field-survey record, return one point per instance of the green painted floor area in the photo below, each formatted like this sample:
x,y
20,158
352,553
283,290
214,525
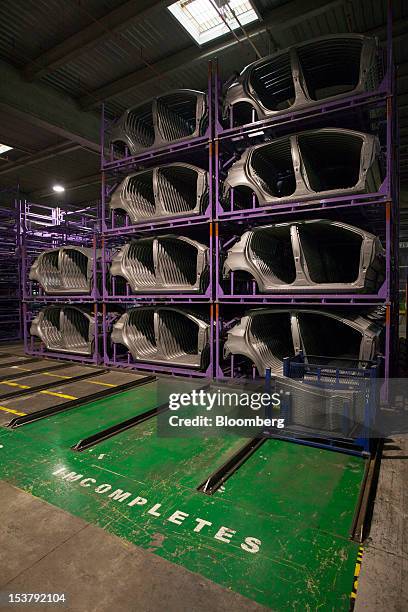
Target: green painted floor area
x,y
277,532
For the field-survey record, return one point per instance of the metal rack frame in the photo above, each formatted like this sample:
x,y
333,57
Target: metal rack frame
x,y
33,345
10,272
121,358
382,205
45,226
109,291
196,150
376,217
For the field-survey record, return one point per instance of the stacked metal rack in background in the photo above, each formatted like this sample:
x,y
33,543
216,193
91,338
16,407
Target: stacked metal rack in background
x,y
61,281
10,299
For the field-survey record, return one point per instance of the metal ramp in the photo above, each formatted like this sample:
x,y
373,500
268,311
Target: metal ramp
x,y
139,415
107,433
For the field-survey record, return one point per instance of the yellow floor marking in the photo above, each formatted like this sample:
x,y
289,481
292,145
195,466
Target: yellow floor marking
x,y
59,395
12,411
56,375
13,384
96,382
357,574
20,368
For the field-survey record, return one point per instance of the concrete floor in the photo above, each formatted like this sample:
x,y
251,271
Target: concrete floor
x,y
383,582
46,550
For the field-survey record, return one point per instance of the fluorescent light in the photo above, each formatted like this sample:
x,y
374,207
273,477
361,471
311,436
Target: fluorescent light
x,y
203,22
58,188
4,148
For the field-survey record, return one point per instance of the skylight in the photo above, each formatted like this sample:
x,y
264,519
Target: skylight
x,y
4,148
203,21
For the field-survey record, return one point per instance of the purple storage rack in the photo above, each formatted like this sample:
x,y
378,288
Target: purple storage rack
x,y
356,118
34,346
350,111
10,296
115,231
378,219
109,162
43,227
114,169
114,225
110,293
117,356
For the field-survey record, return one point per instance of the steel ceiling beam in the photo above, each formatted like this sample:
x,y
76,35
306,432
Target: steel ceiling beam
x,y
283,17
399,28
16,145
80,42
44,107
40,156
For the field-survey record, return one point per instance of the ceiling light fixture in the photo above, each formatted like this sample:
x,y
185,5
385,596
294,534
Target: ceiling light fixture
x,y
58,188
204,22
4,148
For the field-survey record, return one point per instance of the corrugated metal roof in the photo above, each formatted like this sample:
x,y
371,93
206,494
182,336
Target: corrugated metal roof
x,y
29,27
131,48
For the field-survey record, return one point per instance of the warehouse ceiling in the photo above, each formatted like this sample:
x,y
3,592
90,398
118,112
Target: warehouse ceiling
x,y
61,59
